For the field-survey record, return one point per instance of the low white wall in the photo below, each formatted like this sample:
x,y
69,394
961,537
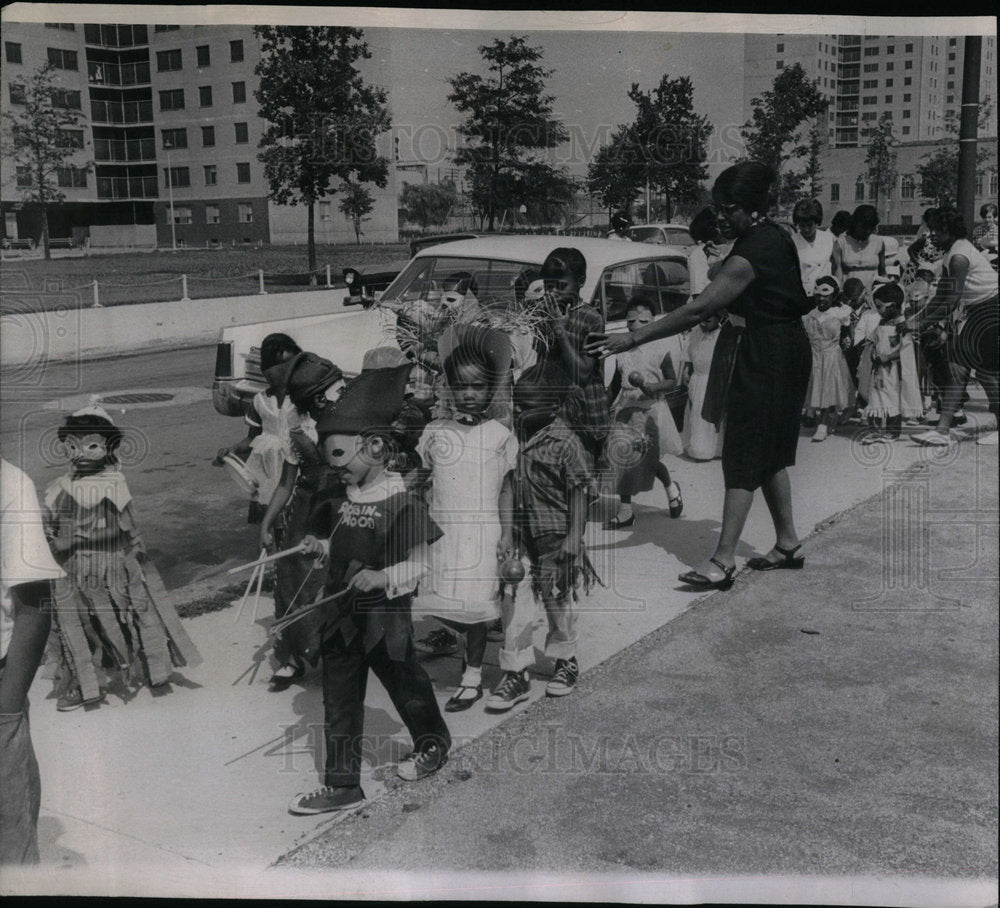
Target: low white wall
x,y
122,235
78,334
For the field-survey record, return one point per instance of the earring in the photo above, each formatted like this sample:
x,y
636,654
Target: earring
x,y
754,217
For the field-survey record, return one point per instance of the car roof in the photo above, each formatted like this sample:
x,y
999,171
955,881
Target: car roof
x,y
660,224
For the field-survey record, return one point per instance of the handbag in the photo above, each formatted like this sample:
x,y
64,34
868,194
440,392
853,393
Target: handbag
x,y
720,374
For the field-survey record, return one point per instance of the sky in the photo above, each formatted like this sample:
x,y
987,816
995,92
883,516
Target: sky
x,y
592,75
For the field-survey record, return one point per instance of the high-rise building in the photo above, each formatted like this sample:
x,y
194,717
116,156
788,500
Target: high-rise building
x,y
169,121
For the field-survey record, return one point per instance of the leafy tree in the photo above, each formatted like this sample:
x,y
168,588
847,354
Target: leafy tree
x,y
357,203
428,203
880,159
322,119
36,141
617,173
772,134
508,124
813,172
673,139
939,169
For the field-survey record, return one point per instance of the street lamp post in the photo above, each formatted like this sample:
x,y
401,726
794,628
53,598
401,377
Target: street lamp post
x,y
168,146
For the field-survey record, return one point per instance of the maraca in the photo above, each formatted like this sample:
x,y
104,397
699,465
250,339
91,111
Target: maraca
x,y
511,570
636,379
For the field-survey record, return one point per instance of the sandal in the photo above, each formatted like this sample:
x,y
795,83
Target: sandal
x,y
696,579
788,562
457,702
674,500
616,524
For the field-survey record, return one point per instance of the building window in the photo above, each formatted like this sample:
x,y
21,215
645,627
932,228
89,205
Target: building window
x,y
239,92
906,219
204,55
23,177
951,85
906,98
888,99
175,138
950,99
859,190
871,67
908,64
235,51
780,49
907,187
205,95
62,59
888,83
176,176
64,97
12,51
868,117
211,175
211,214
65,26
993,184
906,115
172,100
908,80
17,93
242,133
166,28
952,42
70,138
890,48
181,215
871,51
869,99
870,83
325,209
243,173
780,64
909,48
168,61
71,177
906,130
207,136
246,213
835,192
951,57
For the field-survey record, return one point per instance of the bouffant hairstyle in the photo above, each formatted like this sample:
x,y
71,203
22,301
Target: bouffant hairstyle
x,y
927,215
272,348
841,221
92,424
565,262
988,208
807,210
746,184
949,221
704,226
892,294
865,217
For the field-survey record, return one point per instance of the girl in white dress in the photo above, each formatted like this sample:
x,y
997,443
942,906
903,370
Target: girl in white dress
x,y
471,459
831,390
701,440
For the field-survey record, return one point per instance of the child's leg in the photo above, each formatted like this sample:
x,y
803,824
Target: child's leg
x,y
412,693
894,425
345,680
662,473
560,642
475,644
518,613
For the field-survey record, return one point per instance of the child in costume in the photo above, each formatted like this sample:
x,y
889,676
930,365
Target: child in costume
x,y
701,439
471,459
830,389
555,487
893,392
266,443
643,428
108,620
373,537
309,384
854,335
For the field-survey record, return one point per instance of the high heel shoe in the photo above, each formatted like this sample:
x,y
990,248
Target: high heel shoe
x,y
788,562
699,580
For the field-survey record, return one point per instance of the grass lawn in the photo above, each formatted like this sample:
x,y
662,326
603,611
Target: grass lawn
x,y
147,277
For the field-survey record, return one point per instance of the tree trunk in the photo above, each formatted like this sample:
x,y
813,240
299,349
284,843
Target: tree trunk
x,y
668,208
311,240
357,230
45,231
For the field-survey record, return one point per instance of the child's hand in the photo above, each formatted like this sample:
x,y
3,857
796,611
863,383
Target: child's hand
x,y
310,545
267,539
367,580
62,544
571,546
505,546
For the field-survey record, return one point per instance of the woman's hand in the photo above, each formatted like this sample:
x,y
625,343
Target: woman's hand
x,y
367,580
604,345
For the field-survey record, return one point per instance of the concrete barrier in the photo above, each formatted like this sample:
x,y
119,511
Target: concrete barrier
x,y
78,334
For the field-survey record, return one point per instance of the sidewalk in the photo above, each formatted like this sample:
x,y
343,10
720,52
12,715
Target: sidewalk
x,y
838,720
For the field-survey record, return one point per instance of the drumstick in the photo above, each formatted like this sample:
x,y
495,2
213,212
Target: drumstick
x,y
257,571
282,623
265,560
256,595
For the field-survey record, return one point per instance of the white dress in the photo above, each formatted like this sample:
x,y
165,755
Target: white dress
x,y
814,258
646,359
270,449
893,389
830,383
468,465
700,439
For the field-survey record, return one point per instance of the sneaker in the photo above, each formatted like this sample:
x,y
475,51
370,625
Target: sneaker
x,y
821,432
327,799
932,416
495,633
437,643
934,438
874,438
990,439
71,700
513,688
418,765
564,679
960,418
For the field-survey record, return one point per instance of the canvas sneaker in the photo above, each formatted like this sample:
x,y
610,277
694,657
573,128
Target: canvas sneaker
x,y
564,678
821,432
437,643
327,799
514,688
420,764
934,438
990,439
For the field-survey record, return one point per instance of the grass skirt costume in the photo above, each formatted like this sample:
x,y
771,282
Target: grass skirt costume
x,y
111,615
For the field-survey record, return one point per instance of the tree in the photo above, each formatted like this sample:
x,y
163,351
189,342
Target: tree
x,y
508,124
322,119
772,134
40,144
880,159
813,172
939,170
673,139
357,203
428,203
617,173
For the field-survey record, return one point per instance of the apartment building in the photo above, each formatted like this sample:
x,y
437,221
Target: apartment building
x,y
169,122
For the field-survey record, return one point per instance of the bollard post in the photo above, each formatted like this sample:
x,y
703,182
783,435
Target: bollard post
x,y
260,277
328,274
97,296
184,288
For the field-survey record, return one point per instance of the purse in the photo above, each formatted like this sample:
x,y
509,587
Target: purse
x,y
720,374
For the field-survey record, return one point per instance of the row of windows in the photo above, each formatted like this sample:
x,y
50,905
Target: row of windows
x,y
907,187
61,97
173,99
66,177
172,60
180,177
177,138
182,214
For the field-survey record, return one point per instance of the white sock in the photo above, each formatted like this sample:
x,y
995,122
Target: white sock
x,y
624,511
472,677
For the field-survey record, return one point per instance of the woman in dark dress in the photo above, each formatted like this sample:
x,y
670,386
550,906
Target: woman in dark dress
x,y
760,284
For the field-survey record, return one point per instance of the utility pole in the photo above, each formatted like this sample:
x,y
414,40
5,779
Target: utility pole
x,y
969,131
170,188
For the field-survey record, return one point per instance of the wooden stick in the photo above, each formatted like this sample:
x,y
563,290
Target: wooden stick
x,y
278,626
266,559
246,593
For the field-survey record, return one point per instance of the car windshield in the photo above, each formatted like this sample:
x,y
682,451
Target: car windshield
x,y
492,283
664,236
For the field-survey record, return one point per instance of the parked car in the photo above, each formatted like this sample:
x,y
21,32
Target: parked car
x,y
662,234
495,270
